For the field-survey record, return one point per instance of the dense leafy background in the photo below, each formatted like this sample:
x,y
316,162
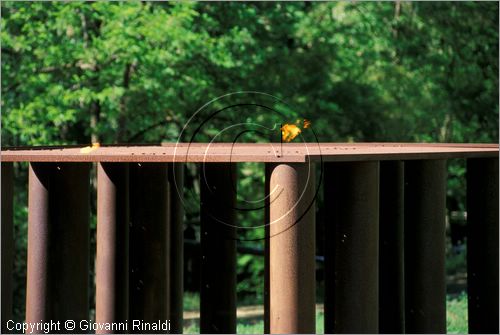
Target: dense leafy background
x,y
75,72
361,71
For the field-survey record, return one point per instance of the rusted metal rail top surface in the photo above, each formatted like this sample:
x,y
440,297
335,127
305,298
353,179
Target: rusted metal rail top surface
x,y
251,152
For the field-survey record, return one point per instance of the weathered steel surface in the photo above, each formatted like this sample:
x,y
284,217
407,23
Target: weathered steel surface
x,y
58,242
255,152
7,243
218,248
112,272
351,247
391,259
176,247
482,245
149,219
292,271
38,290
59,192
267,245
424,245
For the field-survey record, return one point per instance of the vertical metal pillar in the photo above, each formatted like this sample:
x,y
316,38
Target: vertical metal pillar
x,y
292,249
58,242
7,254
218,248
391,263
37,290
351,247
176,244
482,244
112,243
425,285
149,216
267,229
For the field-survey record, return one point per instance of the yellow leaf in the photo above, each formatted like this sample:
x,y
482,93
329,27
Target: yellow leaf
x,y
289,132
89,149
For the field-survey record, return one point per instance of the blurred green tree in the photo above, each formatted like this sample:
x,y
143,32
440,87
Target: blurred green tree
x,y
114,72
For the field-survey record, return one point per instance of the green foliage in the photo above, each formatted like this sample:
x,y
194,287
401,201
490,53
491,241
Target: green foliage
x,y
456,319
456,263
250,272
456,314
257,326
191,301
78,71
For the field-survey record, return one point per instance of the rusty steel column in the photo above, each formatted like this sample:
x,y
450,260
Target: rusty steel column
x,y
218,248
7,242
391,258
351,247
292,249
112,243
267,231
58,242
37,290
149,219
482,244
424,243
176,244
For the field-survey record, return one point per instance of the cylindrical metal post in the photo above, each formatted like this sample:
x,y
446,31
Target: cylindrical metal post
x,y
112,244
267,231
218,248
176,254
58,242
352,248
7,243
37,291
424,243
149,216
292,249
482,244
391,270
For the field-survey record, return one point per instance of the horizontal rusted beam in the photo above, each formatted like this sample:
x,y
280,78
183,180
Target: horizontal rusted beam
x,y
252,152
